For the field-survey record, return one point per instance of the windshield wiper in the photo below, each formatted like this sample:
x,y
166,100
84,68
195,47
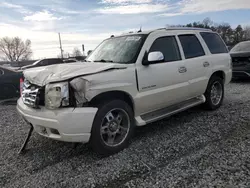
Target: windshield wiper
x,y
104,61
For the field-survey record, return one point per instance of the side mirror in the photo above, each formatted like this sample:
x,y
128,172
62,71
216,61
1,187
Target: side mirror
x,y
153,57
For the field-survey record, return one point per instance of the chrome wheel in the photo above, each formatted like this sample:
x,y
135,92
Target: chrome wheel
x,y
216,93
115,127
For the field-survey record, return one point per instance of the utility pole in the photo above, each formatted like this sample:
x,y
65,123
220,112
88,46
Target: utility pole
x,y
83,50
60,45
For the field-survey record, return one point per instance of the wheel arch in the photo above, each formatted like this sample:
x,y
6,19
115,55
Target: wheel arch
x,y
221,74
111,95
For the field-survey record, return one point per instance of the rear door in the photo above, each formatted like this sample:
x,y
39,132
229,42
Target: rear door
x,y
218,55
196,63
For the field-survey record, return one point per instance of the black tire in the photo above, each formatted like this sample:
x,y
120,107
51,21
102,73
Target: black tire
x,y
96,140
209,105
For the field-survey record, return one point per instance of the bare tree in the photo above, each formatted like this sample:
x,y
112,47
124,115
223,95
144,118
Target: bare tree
x,y
14,49
76,52
207,22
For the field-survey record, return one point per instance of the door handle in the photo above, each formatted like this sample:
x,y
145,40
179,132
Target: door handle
x,y
182,69
206,64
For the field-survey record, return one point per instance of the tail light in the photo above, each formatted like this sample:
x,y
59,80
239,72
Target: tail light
x,y
21,86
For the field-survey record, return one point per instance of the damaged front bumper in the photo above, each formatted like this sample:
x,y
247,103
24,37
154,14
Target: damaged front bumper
x,y
64,124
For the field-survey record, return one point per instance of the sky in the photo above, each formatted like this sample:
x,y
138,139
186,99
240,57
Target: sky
x,y
89,22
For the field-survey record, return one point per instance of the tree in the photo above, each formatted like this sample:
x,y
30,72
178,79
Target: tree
x,y
247,32
226,32
76,52
14,49
238,34
208,23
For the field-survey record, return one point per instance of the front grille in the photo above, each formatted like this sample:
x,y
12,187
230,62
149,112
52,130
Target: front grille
x,y
241,61
30,94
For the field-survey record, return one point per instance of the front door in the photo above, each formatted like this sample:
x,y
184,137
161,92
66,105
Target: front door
x,y
161,84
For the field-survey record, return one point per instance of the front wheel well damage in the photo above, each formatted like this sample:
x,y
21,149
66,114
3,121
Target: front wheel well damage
x,y
112,95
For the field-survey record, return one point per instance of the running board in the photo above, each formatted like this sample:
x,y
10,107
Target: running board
x,y
166,112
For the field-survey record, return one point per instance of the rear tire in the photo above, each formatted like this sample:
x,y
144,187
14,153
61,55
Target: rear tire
x,y
214,93
113,127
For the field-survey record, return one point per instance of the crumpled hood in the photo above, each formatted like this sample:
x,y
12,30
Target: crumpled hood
x,y
53,73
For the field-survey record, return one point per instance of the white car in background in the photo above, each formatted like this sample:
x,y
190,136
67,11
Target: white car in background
x,y
127,81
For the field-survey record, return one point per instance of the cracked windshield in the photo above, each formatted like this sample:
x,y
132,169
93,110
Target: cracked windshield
x,y
124,93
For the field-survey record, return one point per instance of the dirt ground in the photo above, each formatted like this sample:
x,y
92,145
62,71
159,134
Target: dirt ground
x,y
196,148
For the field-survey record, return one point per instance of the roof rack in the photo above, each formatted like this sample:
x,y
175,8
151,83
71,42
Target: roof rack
x,y
187,28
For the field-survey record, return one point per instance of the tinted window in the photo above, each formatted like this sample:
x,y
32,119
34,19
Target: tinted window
x,y
191,46
168,46
214,43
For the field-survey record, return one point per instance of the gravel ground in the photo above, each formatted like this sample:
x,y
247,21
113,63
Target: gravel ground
x,y
193,149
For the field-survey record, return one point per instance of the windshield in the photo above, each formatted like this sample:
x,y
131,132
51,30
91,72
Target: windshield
x,y
123,49
241,47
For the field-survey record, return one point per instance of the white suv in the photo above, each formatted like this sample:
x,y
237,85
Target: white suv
x,y
127,81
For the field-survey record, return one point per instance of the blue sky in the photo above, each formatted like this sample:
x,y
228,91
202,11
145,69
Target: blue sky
x,y
90,21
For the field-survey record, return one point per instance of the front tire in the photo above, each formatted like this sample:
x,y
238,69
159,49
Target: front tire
x,y
214,93
113,127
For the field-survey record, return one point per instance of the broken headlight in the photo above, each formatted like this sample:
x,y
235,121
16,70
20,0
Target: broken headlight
x,y
57,95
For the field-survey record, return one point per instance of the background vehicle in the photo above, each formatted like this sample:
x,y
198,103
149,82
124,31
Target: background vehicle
x,y
70,60
240,54
9,83
127,81
43,62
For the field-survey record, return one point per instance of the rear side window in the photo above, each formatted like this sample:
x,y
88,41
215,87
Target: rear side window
x,y
191,46
214,43
168,46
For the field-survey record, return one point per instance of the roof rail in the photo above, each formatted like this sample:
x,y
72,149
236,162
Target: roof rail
x,y
187,28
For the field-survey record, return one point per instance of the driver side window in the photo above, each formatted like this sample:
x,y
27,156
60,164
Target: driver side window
x,y
169,48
